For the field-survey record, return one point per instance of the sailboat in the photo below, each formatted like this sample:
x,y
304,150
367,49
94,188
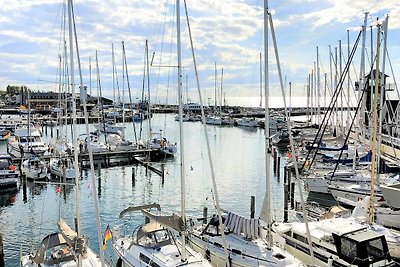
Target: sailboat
x,y
232,240
68,247
62,249
152,243
340,241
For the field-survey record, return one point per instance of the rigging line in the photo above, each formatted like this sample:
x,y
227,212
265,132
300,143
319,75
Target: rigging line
x,y
333,101
142,101
290,137
48,44
394,79
206,137
161,51
101,102
129,90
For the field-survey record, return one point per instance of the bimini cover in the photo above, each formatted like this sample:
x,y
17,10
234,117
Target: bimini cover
x,y
50,241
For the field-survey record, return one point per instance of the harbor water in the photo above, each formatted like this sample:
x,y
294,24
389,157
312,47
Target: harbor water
x,y
32,211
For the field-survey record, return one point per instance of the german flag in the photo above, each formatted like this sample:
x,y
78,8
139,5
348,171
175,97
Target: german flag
x,y
107,236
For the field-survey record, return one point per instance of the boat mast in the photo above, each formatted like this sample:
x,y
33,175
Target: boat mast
x,y
215,87
375,125
382,97
93,182
318,89
75,135
267,205
291,140
148,86
261,80
361,85
220,97
182,162
215,189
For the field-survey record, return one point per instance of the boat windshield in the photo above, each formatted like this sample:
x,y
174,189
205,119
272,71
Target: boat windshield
x,y
4,164
155,239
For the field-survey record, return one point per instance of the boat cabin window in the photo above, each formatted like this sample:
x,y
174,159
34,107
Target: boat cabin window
x,y
154,239
362,248
300,237
144,258
4,164
348,248
23,139
375,249
147,260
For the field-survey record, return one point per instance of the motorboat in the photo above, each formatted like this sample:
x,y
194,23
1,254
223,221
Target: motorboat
x,y
247,122
26,142
109,127
62,167
116,143
336,242
8,173
34,168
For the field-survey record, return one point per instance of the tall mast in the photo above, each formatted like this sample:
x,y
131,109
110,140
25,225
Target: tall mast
x,y
222,79
374,131
75,135
148,85
382,96
182,162
267,199
84,100
318,89
348,83
361,117
260,79
113,74
90,75
215,86
341,91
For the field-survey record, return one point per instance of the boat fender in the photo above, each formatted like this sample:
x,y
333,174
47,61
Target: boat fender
x,y
330,261
119,263
208,255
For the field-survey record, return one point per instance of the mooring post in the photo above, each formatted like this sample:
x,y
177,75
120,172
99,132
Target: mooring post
x,y
133,176
252,206
51,131
45,128
1,251
278,168
275,162
205,211
285,174
162,173
292,185
285,204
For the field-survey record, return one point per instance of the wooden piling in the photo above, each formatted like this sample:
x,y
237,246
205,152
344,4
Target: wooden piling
x,y
285,173
162,173
285,202
292,195
133,176
252,206
205,211
278,168
1,251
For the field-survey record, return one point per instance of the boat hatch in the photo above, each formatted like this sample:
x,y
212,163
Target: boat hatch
x,y
362,248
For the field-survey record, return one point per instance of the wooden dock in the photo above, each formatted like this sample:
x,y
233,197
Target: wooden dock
x,y
108,159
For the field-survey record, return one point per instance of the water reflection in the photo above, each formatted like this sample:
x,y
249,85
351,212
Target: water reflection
x,y
238,157
8,197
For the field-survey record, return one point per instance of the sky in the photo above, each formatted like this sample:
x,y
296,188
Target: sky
x,y
227,34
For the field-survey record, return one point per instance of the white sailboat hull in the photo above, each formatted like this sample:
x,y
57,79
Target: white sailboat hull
x,y
33,172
